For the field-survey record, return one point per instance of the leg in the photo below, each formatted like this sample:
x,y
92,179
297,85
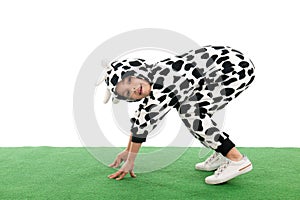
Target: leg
x,y
197,118
234,155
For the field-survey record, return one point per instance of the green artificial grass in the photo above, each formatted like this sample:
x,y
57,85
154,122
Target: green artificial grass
x,y
73,173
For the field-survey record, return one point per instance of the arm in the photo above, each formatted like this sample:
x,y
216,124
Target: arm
x,y
122,156
128,155
134,149
129,143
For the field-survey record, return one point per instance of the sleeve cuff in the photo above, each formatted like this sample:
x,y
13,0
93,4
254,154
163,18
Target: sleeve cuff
x,y
138,139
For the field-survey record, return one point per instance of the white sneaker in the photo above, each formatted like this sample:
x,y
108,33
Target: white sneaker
x,y
211,163
229,170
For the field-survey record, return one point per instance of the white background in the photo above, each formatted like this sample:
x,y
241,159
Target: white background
x,y
44,43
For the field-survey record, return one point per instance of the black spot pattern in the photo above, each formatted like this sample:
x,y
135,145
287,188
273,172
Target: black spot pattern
x,y
142,126
117,66
126,67
240,56
171,94
224,52
176,78
184,85
241,86
217,99
164,72
227,65
221,78
197,73
114,79
200,50
153,121
217,137
229,81
189,57
241,74
251,80
153,114
213,108
181,56
227,91
205,56
188,115
173,101
186,123
148,108
211,60
159,84
165,60
211,131
214,73
250,72
203,103
228,99
132,120
243,64
222,59
162,108
222,106
134,130
197,97
236,51
237,94
135,63
211,87
166,90
162,98
184,108
218,47
197,125
188,66
177,65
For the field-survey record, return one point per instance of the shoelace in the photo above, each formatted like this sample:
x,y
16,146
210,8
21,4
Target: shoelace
x,y
222,168
211,158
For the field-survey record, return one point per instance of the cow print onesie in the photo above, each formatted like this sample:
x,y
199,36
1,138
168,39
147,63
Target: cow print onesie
x,y
197,84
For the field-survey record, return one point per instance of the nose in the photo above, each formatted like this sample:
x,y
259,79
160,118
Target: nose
x,y
136,89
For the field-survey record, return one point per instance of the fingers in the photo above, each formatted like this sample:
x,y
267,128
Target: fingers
x,y
115,164
119,175
112,164
114,175
132,174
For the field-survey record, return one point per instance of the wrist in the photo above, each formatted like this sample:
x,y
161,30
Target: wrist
x,y
131,156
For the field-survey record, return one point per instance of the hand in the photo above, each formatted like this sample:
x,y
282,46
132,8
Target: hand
x,y
120,158
127,167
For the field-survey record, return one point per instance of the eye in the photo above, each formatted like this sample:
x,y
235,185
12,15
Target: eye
x,y
129,80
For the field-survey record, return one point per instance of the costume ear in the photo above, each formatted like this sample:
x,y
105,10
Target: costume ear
x,y
104,64
115,101
106,96
100,80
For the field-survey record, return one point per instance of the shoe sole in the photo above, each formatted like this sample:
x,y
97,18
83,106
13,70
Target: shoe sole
x,y
207,170
243,170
